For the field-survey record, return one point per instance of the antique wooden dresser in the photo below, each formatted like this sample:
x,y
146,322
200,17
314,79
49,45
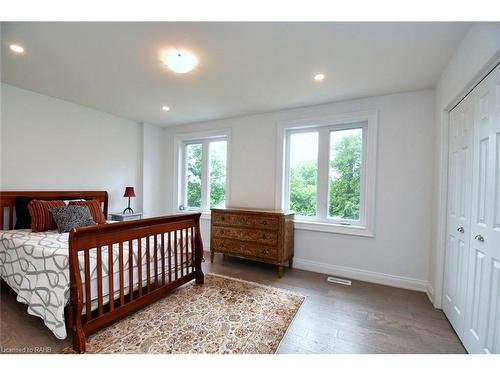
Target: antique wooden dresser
x,y
262,235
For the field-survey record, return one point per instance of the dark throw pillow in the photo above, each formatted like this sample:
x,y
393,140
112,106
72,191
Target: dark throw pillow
x,y
94,207
69,217
23,217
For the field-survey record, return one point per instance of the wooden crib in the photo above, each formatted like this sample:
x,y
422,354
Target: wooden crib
x,y
172,243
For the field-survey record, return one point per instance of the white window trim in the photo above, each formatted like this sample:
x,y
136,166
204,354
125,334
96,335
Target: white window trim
x,y
204,137
364,228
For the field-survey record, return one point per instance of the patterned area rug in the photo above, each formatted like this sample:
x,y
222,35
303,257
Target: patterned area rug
x,y
225,315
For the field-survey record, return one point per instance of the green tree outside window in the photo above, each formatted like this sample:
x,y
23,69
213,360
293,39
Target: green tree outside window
x,y
344,179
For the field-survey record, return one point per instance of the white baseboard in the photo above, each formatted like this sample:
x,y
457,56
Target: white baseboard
x,y
362,275
430,292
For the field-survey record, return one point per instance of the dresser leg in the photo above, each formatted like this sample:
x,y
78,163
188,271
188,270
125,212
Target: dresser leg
x,y
290,263
212,256
280,270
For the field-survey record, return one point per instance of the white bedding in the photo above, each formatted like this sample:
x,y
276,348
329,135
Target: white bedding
x,y
35,266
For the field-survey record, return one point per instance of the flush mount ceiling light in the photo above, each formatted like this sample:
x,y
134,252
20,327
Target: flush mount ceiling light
x,y
180,61
319,77
16,48
165,108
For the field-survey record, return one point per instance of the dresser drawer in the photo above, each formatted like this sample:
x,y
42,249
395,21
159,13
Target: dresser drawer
x,y
260,222
244,248
255,235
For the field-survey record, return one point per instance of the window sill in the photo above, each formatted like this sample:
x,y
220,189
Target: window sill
x,y
352,230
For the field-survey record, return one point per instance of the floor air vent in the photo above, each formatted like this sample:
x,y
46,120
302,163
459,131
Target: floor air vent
x,y
336,280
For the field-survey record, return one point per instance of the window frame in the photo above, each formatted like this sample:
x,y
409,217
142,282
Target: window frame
x,y
368,121
203,138
323,181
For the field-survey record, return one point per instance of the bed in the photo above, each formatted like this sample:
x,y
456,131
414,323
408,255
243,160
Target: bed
x,y
95,275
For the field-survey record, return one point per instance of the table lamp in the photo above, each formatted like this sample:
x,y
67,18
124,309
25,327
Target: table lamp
x,y
129,192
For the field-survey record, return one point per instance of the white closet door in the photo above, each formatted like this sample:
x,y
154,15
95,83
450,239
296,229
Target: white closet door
x,y
482,317
459,211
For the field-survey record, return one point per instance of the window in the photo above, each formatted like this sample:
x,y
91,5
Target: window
x,y
217,164
329,173
303,173
344,175
202,173
193,175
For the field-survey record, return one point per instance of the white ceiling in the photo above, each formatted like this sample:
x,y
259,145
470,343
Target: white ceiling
x,y
244,68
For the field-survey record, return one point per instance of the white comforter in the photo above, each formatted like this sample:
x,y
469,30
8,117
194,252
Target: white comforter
x,y
35,266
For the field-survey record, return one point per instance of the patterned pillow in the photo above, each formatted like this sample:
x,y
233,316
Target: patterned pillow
x,y
94,207
69,217
41,217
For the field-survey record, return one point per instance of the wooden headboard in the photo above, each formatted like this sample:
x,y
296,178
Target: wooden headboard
x,y
8,201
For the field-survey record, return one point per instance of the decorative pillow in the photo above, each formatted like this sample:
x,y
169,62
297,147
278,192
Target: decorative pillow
x,y
69,217
41,217
94,207
23,218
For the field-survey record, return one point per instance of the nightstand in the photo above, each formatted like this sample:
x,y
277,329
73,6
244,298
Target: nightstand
x,y
125,217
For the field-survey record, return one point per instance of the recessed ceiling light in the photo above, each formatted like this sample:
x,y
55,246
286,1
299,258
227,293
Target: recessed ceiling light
x,y
319,77
166,108
16,48
180,61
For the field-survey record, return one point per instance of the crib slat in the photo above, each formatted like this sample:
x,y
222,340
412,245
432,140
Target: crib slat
x,y
148,269
156,260
176,265
187,250
130,271
120,265
139,265
169,250
163,258
110,278
1,217
88,299
192,249
11,218
181,250
99,281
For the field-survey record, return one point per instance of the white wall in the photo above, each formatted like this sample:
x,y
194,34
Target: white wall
x,y
51,144
399,253
479,48
152,189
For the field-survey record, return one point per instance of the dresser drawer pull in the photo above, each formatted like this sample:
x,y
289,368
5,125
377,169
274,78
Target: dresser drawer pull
x,y
264,222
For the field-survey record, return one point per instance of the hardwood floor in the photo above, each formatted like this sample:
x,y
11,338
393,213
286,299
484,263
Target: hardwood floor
x,y
362,318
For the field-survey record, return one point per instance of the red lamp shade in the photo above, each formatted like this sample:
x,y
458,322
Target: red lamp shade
x,y
129,192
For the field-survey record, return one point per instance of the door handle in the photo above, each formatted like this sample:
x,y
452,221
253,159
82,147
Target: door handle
x,y
460,229
479,238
